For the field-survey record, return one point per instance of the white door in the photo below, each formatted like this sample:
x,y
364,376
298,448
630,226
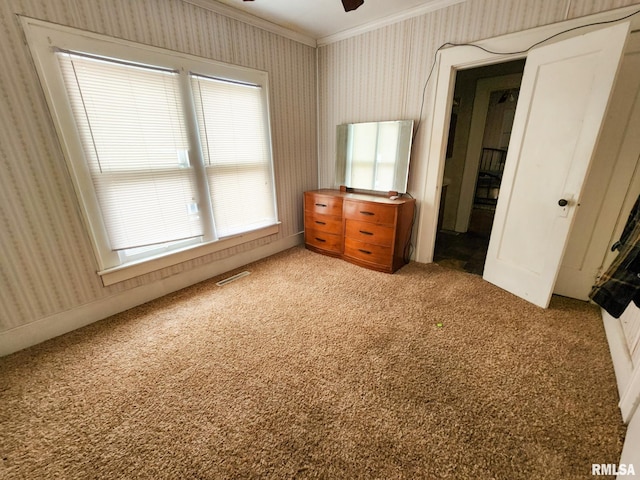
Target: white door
x,y
563,99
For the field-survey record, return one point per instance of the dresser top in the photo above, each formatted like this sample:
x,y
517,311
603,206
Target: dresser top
x,y
365,197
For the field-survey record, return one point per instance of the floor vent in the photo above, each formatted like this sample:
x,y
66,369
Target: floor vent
x,y
232,278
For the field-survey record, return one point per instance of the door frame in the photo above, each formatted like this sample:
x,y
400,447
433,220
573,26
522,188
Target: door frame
x,y
484,88
448,61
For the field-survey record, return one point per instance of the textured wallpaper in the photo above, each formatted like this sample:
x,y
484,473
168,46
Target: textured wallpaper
x,y
46,263
380,75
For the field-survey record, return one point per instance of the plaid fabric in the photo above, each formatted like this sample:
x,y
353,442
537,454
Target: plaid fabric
x,y
620,284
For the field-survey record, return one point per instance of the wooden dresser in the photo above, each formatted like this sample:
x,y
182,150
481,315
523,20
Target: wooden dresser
x,y
369,230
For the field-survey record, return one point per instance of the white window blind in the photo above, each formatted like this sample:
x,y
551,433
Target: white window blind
x,y
232,121
131,123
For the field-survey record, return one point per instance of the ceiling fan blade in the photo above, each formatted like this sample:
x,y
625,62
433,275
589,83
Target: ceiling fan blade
x,y
351,4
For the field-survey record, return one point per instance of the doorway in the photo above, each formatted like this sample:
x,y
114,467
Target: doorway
x,y
482,113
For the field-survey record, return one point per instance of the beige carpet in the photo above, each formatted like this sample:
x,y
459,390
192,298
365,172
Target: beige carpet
x,y
311,367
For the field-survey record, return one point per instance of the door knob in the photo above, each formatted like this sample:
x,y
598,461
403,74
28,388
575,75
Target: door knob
x,y
562,202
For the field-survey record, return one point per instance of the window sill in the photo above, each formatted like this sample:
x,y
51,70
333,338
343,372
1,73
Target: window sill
x,y
141,267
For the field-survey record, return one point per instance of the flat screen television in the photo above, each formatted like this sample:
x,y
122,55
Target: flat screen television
x,y
374,156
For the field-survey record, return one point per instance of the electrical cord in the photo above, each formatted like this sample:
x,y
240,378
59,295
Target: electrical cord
x,y
451,44
408,247
408,250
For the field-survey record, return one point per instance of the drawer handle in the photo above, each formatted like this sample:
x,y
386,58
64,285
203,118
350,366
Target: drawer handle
x,y
321,205
320,239
367,213
365,251
320,223
364,232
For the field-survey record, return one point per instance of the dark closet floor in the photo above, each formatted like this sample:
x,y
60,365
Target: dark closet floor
x,y
466,251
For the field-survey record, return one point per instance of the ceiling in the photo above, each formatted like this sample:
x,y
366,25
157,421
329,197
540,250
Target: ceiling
x,y
322,19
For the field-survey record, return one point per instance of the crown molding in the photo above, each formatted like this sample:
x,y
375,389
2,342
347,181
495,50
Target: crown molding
x,y
258,22
391,19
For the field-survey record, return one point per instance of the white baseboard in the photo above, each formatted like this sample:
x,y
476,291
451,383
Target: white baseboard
x,y
628,382
620,356
52,326
631,449
627,378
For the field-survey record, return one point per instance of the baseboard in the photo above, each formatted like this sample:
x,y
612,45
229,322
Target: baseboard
x,y
622,364
52,326
631,449
627,378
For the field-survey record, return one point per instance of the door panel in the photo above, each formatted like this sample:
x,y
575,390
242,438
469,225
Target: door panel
x,y
563,98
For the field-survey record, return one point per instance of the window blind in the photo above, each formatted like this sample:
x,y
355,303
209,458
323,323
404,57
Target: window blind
x,y
131,123
235,144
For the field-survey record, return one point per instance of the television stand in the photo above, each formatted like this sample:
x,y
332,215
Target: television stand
x,y
369,230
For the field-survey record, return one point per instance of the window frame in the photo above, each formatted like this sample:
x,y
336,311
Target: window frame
x,y
43,39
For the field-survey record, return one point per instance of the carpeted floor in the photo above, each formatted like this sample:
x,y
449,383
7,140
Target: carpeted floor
x,y
311,367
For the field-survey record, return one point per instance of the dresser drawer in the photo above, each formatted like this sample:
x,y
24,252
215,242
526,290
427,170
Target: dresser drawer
x,y
365,229
368,252
370,212
323,223
366,232
323,204
323,240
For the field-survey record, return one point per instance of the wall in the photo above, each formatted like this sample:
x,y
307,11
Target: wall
x,y
381,75
47,268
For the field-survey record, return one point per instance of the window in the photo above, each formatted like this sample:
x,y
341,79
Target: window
x,y
132,129
236,153
167,151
